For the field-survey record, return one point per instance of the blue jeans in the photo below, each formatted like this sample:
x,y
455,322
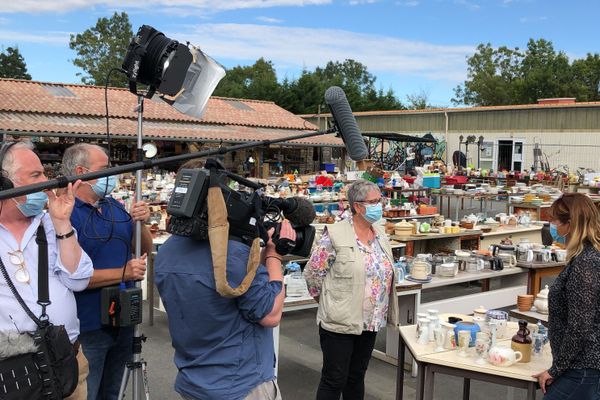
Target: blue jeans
x,y
576,384
107,351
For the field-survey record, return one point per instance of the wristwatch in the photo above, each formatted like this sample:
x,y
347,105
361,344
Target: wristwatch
x,y
66,235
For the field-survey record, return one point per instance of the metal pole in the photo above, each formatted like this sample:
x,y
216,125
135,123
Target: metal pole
x,y
63,181
137,333
446,136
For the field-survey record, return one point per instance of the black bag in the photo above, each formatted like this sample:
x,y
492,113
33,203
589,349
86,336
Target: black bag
x,y
51,372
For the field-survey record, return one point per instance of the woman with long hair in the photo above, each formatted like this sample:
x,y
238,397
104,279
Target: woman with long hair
x,y
574,307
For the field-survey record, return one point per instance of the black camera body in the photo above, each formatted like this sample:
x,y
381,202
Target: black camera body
x,y
250,214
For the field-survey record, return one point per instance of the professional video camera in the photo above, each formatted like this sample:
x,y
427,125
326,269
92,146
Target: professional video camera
x,y
250,213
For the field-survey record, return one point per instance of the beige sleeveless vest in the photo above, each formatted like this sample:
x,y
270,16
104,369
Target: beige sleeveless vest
x,y
342,293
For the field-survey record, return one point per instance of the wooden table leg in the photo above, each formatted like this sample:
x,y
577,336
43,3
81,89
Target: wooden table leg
x,y
410,248
400,368
466,388
535,282
485,285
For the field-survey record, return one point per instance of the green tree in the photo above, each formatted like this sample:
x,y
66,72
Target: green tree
x,y
508,76
544,73
258,82
586,77
305,94
101,48
418,101
492,76
12,64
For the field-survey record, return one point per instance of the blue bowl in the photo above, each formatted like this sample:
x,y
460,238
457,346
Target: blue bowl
x,y
467,326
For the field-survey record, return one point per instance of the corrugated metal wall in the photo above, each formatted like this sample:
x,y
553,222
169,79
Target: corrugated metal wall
x,y
567,135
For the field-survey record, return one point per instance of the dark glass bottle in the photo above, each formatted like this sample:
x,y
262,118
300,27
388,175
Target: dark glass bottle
x,y
522,341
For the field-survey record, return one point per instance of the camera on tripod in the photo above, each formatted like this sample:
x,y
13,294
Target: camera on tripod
x,y
250,213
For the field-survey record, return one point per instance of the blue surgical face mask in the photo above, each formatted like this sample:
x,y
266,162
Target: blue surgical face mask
x,y
555,236
104,186
374,212
34,204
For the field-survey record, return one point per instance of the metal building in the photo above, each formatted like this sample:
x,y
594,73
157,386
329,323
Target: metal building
x,y
565,133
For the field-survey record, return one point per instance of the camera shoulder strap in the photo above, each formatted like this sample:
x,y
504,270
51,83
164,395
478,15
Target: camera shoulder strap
x,y
218,236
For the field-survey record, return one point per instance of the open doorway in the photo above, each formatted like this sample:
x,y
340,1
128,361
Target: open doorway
x,y
510,155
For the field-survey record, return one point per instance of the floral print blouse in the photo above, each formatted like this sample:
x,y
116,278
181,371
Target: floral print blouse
x,y
378,278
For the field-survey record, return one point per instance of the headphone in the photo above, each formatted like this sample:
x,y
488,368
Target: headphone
x,y
5,183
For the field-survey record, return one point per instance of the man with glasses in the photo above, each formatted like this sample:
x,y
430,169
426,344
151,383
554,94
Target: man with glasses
x,y
69,267
106,234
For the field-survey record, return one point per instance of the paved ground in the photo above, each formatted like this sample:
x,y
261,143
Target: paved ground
x,y
300,363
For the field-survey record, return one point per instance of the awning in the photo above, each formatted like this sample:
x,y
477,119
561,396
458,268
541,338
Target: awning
x,y
399,137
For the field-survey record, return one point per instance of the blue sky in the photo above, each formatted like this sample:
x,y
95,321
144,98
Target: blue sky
x,y
411,46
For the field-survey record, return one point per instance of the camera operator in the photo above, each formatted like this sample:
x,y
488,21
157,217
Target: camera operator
x,y
223,346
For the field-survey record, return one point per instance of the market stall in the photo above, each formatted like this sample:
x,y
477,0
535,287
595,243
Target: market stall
x,y
490,358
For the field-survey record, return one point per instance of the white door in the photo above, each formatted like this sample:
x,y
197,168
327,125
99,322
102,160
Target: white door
x,y
518,157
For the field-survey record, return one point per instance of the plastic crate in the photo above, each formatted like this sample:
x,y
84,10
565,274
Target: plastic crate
x,y
432,181
456,180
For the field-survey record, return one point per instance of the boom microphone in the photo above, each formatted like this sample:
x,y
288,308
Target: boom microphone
x,y
346,123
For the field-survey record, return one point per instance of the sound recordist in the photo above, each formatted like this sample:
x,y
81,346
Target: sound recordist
x,y
105,232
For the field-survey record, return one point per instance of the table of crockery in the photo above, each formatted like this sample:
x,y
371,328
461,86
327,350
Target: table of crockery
x,y
429,362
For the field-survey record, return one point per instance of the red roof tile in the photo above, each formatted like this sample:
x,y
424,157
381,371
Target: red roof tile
x,y
61,125
30,106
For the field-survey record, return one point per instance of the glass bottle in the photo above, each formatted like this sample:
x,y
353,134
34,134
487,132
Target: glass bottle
x,y
522,341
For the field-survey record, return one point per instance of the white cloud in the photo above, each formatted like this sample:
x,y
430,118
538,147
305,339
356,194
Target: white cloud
x,y
408,3
53,6
525,20
270,20
303,47
471,5
358,2
54,38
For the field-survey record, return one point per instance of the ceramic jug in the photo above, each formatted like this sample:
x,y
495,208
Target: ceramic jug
x,y
521,342
541,301
503,356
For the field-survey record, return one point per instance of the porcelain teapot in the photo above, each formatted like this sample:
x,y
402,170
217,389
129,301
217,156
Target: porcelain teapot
x,y
541,301
503,356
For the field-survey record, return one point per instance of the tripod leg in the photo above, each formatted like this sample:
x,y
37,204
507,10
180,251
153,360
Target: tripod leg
x,y
124,381
145,380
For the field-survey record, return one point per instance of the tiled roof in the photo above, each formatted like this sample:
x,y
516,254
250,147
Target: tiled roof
x,y
85,126
28,106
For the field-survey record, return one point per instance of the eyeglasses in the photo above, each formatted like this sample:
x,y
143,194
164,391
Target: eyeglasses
x,y
16,258
373,202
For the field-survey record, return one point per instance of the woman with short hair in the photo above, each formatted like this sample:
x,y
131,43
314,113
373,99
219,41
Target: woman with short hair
x,y
350,275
